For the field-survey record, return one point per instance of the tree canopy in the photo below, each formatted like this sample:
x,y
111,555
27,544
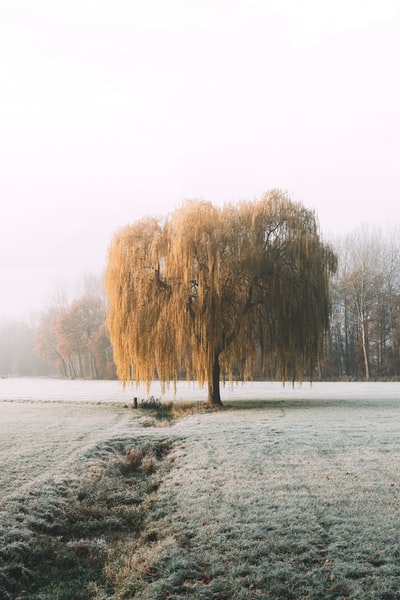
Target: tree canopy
x,y
213,291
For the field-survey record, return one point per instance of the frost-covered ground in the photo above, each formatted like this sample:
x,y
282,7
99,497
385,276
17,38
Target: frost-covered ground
x,y
294,499
289,493
41,440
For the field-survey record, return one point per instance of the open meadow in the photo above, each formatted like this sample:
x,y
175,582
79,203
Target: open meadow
x,y
285,494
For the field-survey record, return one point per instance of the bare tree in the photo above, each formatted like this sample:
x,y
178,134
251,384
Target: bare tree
x,y
361,283
209,290
366,302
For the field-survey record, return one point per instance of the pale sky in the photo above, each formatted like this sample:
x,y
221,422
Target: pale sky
x,y
114,109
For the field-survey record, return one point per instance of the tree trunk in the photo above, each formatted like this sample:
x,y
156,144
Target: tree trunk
x,y
346,338
214,396
365,348
93,368
71,369
80,367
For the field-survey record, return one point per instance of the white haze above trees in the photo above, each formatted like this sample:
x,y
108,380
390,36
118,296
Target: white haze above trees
x,y
111,111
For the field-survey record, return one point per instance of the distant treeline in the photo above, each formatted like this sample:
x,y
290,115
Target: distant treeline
x,y
70,339
364,340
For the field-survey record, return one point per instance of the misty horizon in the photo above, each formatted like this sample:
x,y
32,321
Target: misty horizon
x,y
112,114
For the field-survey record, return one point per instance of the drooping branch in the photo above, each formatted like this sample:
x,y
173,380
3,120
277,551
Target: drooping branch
x,y
211,288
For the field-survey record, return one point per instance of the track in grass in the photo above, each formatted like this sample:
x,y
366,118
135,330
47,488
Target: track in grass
x,y
291,499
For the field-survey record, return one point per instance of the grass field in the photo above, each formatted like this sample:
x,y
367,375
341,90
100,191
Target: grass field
x,y
291,499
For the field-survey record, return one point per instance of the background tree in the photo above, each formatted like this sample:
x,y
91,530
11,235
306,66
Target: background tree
x,y
366,293
210,290
46,340
18,356
72,335
75,330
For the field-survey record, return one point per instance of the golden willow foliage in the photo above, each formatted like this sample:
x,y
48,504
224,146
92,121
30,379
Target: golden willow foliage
x,y
211,290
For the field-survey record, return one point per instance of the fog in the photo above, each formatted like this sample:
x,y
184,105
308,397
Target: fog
x,y
112,111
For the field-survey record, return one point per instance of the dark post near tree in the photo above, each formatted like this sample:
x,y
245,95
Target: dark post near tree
x,y
211,290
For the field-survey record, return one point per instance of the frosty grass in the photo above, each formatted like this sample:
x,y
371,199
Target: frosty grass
x,y
286,494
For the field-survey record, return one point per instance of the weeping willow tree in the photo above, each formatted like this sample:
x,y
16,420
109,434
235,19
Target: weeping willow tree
x,y
215,291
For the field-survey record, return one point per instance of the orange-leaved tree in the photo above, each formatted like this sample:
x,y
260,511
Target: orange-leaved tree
x,y
213,290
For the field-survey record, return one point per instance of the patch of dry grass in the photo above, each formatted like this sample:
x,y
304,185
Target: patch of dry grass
x,y
162,414
55,541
